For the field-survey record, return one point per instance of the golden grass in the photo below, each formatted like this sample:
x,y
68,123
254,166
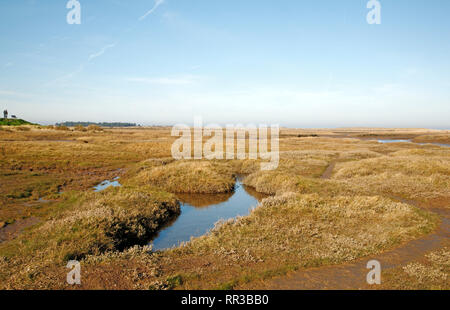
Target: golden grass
x,y
437,138
204,177
113,220
307,230
284,233
293,168
412,174
430,274
310,222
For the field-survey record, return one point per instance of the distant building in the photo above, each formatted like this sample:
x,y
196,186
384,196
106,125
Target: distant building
x,y
13,116
5,114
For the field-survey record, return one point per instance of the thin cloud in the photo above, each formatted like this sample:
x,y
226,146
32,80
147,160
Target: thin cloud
x,y
13,93
66,77
101,52
157,3
105,48
165,80
7,92
81,67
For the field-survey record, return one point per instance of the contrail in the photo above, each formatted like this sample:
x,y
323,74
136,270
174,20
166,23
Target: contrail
x,y
157,3
103,50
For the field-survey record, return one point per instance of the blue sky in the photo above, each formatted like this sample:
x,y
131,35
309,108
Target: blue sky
x,y
289,62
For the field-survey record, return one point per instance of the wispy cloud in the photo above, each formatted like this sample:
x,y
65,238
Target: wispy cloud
x,y
390,89
9,64
157,3
6,92
167,81
102,51
81,67
13,93
183,80
66,77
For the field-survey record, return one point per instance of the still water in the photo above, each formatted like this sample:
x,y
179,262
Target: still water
x,y
409,141
107,183
199,213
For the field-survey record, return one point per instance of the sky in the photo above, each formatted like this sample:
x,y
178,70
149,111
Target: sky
x,y
296,63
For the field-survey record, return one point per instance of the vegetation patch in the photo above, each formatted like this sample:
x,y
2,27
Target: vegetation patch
x,y
409,174
309,222
13,122
204,177
292,231
112,220
430,274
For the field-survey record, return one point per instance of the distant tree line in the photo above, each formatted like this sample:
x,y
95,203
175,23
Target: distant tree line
x,y
86,124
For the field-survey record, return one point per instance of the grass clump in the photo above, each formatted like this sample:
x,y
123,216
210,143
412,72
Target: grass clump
x,y
430,274
203,177
411,174
271,182
62,128
94,128
98,223
23,128
115,219
294,168
80,128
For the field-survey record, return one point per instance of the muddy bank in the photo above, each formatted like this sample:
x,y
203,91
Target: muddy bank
x,y
352,275
11,231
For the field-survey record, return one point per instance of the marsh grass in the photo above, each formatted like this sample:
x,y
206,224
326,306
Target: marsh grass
x,y
205,177
436,138
285,233
80,128
430,274
294,168
309,221
412,174
93,224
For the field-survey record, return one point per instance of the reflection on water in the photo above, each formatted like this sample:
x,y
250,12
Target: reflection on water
x,y
204,200
440,144
394,141
199,213
105,184
409,141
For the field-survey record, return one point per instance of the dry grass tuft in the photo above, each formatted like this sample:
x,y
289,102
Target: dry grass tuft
x,y
412,174
190,177
430,274
271,182
113,220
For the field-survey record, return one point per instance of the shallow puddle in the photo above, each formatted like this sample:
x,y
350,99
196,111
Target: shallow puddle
x,y
199,213
438,144
409,141
107,183
395,141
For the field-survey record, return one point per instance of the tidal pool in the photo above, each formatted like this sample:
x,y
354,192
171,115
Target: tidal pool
x,y
199,213
395,141
409,141
107,183
440,144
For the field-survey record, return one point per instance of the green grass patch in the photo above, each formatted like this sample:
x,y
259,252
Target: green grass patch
x,y
14,122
